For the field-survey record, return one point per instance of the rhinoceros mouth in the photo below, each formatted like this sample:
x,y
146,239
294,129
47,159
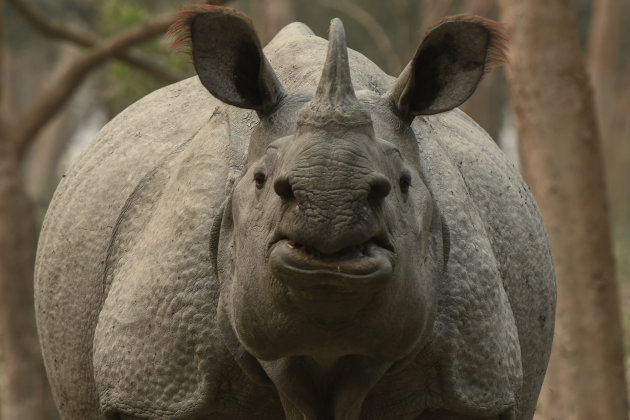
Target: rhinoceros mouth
x,y
351,269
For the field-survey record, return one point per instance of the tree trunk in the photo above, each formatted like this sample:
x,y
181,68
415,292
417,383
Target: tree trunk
x,y
22,381
604,50
604,53
23,373
486,104
562,161
618,156
23,386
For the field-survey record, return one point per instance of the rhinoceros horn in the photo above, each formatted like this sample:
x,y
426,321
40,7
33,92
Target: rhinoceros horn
x,y
334,101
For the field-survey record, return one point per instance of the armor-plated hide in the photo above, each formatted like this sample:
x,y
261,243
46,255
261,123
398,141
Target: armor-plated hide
x,y
330,249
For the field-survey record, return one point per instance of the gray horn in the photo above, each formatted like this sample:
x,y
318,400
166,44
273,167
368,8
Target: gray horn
x,y
334,100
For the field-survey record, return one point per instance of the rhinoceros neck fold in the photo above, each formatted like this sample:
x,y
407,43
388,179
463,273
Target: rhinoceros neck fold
x,y
310,388
311,391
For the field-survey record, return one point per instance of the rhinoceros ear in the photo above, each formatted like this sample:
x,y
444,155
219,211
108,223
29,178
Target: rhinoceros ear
x,y
448,65
228,57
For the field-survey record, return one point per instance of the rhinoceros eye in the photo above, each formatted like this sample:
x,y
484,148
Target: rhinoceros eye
x,y
405,183
259,179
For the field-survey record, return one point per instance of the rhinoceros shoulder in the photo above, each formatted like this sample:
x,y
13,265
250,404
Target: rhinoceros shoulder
x,y
499,249
103,183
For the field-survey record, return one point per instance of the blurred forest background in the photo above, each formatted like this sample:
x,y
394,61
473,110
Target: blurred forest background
x,y
68,66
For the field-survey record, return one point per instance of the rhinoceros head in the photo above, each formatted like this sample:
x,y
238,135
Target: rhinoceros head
x,y
331,244
334,236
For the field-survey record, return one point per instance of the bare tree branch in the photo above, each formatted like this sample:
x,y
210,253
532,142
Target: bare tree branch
x,y
372,27
86,38
30,122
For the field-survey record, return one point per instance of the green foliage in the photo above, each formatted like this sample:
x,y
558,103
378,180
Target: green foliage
x,y
126,84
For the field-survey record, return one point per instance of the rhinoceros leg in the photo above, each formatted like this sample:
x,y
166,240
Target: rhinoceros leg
x,y
211,416
445,415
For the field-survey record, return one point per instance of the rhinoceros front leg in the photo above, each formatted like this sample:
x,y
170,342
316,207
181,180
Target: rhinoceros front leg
x,y
211,416
446,415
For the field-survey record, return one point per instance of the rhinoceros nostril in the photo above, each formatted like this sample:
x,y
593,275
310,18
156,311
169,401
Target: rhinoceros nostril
x,y
282,187
379,187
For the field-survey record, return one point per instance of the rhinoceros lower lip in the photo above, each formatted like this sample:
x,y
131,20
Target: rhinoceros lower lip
x,y
348,270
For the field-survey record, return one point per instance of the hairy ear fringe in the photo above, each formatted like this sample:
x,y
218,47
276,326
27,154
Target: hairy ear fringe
x,y
498,39
180,28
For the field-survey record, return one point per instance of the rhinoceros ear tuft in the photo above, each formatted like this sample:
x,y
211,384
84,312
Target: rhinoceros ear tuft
x,y
449,63
228,57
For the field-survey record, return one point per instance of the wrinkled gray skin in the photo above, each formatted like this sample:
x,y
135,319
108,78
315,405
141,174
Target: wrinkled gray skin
x,y
362,260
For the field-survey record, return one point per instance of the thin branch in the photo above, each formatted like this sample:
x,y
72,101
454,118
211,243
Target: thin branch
x,y
372,27
31,121
87,38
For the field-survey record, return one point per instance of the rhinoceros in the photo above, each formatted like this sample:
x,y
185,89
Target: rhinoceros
x,y
295,234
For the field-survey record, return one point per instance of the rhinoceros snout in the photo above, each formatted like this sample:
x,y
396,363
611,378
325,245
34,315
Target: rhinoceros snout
x,y
282,186
330,215
378,185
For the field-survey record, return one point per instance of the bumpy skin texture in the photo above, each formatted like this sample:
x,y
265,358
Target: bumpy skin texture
x,y
134,322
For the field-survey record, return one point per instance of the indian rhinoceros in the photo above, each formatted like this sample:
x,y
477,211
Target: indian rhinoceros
x,y
294,234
